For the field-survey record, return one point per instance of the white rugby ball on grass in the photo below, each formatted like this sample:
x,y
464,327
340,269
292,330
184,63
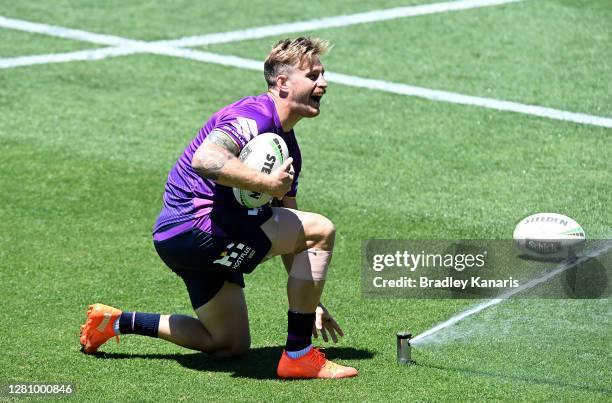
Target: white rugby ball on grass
x,y
264,153
549,235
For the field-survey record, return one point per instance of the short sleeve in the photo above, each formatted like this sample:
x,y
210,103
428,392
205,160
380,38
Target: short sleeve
x,y
242,124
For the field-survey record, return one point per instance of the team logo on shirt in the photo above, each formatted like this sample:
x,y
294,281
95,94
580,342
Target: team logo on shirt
x,y
246,127
234,255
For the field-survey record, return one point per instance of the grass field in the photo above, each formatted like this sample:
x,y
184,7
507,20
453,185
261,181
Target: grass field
x,y
85,147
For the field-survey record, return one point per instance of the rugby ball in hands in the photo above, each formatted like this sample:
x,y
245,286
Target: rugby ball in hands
x,y
549,235
264,153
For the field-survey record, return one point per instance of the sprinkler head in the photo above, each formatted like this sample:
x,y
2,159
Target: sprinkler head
x,y
403,348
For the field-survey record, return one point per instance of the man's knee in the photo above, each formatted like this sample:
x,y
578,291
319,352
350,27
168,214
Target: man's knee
x,y
325,231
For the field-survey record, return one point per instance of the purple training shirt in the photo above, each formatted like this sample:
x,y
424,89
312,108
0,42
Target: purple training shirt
x,y
189,198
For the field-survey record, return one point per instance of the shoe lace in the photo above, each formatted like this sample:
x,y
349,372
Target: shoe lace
x,y
318,357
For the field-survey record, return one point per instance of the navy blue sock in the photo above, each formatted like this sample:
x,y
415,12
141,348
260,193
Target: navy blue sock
x,y
299,330
145,324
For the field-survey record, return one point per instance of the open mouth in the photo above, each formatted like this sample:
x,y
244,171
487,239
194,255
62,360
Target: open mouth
x,y
316,99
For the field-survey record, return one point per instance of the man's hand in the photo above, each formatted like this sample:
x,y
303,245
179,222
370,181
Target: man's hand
x,y
279,181
325,323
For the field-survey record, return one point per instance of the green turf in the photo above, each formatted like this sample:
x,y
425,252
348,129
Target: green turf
x,y
145,20
84,151
538,52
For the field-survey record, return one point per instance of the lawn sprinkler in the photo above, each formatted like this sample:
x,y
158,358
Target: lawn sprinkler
x,y
403,348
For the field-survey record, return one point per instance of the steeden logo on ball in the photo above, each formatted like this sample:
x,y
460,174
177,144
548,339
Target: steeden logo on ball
x,y
549,235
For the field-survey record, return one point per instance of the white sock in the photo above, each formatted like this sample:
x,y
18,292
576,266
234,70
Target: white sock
x,y
299,353
116,327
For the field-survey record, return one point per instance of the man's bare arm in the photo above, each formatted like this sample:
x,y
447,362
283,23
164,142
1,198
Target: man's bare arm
x,y
214,153
217,159
223,140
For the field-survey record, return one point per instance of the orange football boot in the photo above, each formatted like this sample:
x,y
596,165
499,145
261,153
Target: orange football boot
x,y
312,365
99,327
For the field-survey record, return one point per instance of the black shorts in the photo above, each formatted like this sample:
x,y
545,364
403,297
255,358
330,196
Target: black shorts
x,y
205,261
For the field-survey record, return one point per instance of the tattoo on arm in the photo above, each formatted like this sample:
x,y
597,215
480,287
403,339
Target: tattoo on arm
x,y
223,140
220,148
215,162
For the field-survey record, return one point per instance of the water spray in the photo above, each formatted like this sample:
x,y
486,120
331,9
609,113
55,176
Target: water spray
x,y
600,248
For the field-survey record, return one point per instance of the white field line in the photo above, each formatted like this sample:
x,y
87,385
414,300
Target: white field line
x,y
333,22
596,251
451,97
351,81
61,32
95,54
129,46
258,32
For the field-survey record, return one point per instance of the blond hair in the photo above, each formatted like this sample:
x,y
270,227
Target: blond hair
x,y
288,53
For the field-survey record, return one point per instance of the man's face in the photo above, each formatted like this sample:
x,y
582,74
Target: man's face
x,y
306,88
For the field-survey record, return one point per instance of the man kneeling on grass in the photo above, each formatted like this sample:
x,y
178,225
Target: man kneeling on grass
x,y
210,240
